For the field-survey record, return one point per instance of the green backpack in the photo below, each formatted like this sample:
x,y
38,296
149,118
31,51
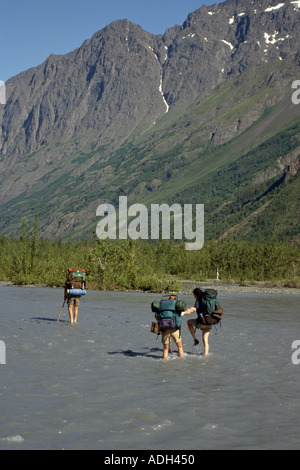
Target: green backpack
x,y
210,312
168,313
209,301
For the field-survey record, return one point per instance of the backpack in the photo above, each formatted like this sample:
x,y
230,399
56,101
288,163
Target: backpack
x,y
168,313
210,312
76,279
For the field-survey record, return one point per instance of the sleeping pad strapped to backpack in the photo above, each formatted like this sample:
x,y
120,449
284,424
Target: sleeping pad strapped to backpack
x,y
209,312
168,313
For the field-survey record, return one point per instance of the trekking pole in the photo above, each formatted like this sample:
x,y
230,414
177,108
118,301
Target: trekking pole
x,y
61,311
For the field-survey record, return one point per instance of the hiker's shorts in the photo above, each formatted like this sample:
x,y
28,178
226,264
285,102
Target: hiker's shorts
x,y
73,300
168,334
205,328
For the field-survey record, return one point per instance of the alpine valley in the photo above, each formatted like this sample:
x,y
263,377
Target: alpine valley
x,y
203,114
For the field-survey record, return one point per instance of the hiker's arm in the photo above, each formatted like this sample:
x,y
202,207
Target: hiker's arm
x,y
189,311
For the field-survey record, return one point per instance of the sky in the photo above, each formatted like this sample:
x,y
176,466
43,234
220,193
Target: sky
x,y
31,30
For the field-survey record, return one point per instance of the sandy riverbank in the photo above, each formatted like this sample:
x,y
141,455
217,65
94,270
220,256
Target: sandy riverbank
x,y
188,286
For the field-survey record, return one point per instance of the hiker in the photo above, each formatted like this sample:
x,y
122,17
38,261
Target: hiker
x,y
173,333
192,324
209,313
73,302
74,288
168,313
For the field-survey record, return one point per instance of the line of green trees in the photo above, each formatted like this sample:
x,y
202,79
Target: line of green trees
x,y
148,266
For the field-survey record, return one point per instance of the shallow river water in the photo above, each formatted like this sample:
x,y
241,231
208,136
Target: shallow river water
x,y
101,384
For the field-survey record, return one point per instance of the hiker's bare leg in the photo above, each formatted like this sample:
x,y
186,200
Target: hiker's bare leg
x,y
166,351
70,309
191,328
205,336
75,313
180,348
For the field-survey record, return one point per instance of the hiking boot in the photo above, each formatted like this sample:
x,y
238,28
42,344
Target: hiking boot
x,y
196,342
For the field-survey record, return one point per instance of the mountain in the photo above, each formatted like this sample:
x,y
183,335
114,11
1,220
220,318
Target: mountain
x,y
198,114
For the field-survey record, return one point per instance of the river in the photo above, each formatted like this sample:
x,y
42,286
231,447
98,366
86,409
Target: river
x,y
101,384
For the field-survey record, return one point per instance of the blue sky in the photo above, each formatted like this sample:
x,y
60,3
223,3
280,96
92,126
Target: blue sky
x,y
31,30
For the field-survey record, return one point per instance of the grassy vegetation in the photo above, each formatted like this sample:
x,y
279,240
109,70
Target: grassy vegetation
x,y
148,266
